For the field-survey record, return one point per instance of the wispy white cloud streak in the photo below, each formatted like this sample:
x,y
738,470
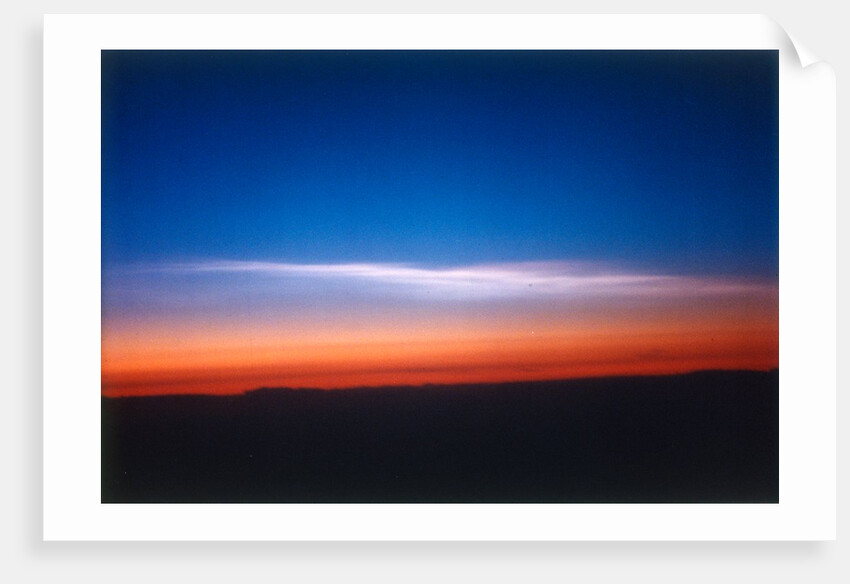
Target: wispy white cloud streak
x,y
523,279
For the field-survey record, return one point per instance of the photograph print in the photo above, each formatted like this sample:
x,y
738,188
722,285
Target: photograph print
x,y
439,276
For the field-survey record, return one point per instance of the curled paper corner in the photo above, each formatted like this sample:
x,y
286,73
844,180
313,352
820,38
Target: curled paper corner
x,y
792,45
804,55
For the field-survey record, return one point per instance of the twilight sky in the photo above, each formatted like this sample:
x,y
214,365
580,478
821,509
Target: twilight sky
x,y
332,218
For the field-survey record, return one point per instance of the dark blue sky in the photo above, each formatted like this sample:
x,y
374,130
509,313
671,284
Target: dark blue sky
x,y
654,160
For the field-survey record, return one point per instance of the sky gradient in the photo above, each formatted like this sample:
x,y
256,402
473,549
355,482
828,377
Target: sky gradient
x,y
337,219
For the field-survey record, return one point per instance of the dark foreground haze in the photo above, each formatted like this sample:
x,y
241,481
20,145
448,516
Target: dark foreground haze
x,y
701,437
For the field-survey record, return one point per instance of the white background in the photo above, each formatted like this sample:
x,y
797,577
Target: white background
x,y
72,509
24,556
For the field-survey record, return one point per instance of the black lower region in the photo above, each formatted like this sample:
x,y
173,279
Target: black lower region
x,y
701,437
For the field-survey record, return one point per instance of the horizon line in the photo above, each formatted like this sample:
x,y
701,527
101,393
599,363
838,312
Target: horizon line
x,y
247,392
